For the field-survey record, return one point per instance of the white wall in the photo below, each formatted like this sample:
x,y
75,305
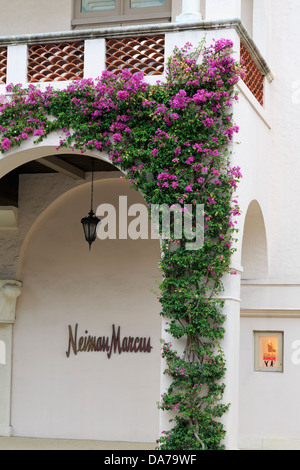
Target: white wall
x,y
87,396
285,169
251,151
34,16
221,9
261,26
269,414
247,14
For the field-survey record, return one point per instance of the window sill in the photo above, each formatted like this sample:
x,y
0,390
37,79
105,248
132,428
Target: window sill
x,y
121,19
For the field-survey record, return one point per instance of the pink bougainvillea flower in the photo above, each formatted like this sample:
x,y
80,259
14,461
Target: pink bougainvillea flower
x,y
117,137
122,95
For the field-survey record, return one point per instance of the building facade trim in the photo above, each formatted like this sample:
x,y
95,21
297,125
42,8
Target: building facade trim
x,y
123,31
271,312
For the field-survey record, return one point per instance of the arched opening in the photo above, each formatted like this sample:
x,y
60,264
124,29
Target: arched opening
x,y
29,152
254,245
86,394
34,177
40,160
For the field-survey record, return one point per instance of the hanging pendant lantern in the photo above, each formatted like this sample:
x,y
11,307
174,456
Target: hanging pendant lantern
x,y
90,223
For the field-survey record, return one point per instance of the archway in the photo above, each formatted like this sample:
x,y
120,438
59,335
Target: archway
x,y
254,244
29,151
21,175
86,395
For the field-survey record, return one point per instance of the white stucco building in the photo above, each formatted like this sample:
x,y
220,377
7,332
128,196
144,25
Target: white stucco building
x,y
48,281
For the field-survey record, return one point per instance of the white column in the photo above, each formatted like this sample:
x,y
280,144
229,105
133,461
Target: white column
x,y
191,12
9,292
222,9
94,49
261,15
231,347
17,63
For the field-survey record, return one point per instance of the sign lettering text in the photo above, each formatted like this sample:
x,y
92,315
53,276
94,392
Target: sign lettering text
x,y
114,344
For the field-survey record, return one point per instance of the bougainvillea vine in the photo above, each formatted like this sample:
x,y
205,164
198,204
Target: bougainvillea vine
x,y
171,140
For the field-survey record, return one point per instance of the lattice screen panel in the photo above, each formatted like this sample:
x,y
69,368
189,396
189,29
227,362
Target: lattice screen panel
x,y
137,54
56,62
254,79
3,65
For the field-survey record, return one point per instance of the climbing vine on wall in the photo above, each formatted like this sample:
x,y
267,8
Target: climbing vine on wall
x,y
172,140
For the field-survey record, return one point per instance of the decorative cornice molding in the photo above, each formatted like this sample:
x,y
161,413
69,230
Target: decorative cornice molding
x,y
253,50
270,312
276,282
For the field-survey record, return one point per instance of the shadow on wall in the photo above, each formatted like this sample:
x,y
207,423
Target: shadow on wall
x,y
254,248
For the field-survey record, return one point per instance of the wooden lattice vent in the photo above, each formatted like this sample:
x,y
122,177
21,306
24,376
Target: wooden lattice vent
x,y
56,62
254,79
137,54
3,65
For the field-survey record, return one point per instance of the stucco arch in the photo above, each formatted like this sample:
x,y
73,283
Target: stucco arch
x,y
43,195
254,256
29,151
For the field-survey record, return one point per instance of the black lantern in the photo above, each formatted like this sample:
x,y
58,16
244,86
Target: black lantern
x,y
91,222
